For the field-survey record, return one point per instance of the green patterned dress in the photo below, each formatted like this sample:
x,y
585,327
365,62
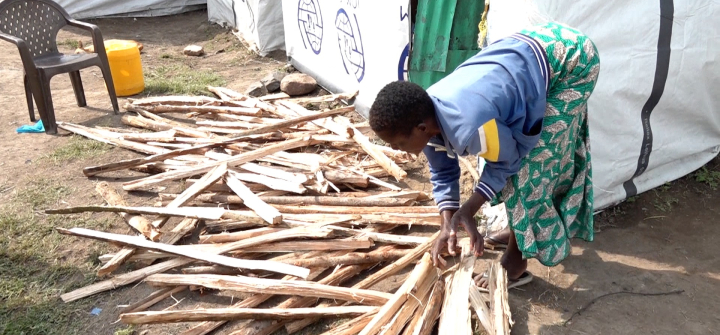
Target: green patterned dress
x,y
550,200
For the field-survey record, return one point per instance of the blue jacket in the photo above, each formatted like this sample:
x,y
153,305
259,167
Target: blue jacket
x,y
491,106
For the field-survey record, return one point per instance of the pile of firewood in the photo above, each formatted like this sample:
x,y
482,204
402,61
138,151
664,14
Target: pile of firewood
x,y
278,200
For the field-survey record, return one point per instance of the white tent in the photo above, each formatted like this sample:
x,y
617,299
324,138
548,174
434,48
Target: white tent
x,y
654,115
82,9
259,22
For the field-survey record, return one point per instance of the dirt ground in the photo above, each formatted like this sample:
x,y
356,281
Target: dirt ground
x,y
662,241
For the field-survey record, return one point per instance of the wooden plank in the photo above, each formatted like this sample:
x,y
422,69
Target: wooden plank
x,y
299,178
232,161
330,245
272,183
453,319
118,259
312,209
302,200
128,163
237,236
243,313
398,265
265,211
271,286
500,317
134,276
424,322
178,232
383,254
388,164
205,213
422,270
210,178
247,111
94,135
201,256
383,237
481,309
152,299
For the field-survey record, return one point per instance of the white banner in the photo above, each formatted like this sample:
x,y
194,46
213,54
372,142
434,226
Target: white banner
x,y
259,22
349,45
654,113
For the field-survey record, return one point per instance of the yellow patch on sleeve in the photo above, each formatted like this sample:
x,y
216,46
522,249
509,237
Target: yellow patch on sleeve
x,y
491,142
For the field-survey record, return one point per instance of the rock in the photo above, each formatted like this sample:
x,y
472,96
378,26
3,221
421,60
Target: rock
x,y
272,81
298,84
194,50
256,89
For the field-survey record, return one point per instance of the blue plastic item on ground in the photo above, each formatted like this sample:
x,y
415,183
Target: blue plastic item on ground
x,y
36,128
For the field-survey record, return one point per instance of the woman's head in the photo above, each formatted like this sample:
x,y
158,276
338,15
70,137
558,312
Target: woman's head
x,y
403,115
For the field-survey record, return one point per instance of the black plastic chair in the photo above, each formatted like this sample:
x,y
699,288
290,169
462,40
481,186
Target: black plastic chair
x,y
33,25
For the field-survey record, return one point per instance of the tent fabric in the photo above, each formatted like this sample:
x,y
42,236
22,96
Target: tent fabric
x,y
82,9
653,114
259,22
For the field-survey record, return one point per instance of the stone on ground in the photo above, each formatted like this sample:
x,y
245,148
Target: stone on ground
x,y
194,50
298,84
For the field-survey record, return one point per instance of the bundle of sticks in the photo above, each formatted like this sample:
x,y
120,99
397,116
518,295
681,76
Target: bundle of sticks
x,y
275,199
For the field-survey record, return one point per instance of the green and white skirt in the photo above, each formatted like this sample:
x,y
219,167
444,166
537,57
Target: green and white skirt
x,y
550,200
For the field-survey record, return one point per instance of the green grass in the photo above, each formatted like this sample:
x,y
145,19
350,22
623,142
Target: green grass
x,y
180,79
130,330
708,177
72,44
36,263
78,148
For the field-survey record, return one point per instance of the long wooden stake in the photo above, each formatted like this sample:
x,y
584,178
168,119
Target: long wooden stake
x,y
243,313
201,256
422,270
418,298
265,211
388,164
134,276
373,257
237,236
500,317
152,299
453,319
430,210
481,309
424,322
271,286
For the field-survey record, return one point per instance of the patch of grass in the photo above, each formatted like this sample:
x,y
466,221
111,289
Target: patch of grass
x,y
41,192
180,79
708,177
72,44
78,148
130,330
665,203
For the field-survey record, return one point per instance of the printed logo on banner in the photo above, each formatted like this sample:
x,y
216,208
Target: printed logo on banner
x,y
350,43
252,16
310,24
403,64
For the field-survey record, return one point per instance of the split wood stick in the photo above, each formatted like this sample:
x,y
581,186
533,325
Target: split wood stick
x,y
424,322
376,256
473,172
500,317
271,286
291,122
183,228
344,177
253,301
118,259
179,127
265,211
302,200
236,96
355,210
136,222
137,275
266,327
275,173
210,178
204,109
351,327
276,96
325,98
211,269
273,183
237,236
295,246
423,269
388,164
176,101
382,237
420,219
161,136
130,145
243,313
398,265
418,298
205,213
323,123
232,161
453,319
152,299
128,163
481,309
201,256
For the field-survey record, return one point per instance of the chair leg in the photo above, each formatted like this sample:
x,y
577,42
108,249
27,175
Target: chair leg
x,y
45,105
78,88
29,97
105,68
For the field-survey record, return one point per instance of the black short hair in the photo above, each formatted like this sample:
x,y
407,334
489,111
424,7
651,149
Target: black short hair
x,y
400,106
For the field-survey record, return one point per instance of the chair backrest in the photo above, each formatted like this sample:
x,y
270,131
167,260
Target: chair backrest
x,y
37,22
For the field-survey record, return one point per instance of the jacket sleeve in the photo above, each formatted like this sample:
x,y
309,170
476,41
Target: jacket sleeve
x,y
445,178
